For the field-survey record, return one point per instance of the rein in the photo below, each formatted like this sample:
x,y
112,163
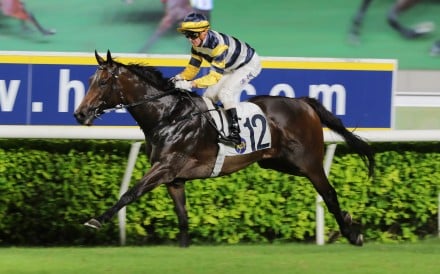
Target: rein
x,y
146,100
166,93
203,113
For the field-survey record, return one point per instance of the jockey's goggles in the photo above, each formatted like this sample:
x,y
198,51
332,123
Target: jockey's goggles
x,y
191,35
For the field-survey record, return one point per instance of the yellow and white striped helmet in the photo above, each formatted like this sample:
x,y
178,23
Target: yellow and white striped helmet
x,y
194,22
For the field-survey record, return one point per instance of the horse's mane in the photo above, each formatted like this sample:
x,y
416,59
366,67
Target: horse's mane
x,y
149,74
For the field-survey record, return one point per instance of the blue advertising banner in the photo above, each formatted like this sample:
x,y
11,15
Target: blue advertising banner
x,y
45,88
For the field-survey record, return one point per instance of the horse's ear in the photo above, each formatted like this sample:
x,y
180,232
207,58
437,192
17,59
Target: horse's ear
x,y
109,57
99,58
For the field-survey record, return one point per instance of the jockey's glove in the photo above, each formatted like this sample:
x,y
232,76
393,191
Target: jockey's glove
x,y
176,78
183,84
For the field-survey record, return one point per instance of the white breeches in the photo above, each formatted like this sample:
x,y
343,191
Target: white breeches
x,y
232,83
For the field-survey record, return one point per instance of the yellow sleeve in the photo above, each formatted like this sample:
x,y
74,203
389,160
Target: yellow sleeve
x,y
192,68
208,80
217,68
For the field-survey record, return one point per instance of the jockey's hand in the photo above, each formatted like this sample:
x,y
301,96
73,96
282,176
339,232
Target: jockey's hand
x,y
183,84
176,78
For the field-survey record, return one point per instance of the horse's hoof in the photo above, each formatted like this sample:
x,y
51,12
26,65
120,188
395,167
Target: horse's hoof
x,y
435,50
93,223
356,239
354,39
333,237
50,32
424,28
184,240
359,240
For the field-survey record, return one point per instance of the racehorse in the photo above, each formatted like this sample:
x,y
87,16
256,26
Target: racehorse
x,y
16,8
181,143
392,18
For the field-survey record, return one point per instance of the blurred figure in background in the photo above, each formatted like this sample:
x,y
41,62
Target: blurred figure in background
x,y
407,32
203,7
175,11
396,9
435,49
16,9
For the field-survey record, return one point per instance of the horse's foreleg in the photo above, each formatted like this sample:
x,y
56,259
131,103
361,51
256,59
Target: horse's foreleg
x,y
358,19
157,175
344,220
176,190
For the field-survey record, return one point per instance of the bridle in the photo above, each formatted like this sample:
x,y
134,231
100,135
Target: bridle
x,y
114,74
145,100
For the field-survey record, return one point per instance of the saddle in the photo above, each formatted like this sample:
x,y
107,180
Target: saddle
x,y
254,130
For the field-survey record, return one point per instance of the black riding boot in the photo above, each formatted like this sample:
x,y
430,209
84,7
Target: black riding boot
x,y
234,128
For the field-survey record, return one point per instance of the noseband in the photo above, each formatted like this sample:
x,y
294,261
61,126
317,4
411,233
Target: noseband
x,y
114,74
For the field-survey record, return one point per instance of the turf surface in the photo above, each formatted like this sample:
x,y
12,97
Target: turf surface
x,y
238,259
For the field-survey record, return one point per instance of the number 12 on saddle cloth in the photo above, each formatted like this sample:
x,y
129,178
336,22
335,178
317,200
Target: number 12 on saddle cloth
x,y
254,132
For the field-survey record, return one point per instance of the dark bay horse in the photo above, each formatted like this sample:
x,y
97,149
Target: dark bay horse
x,y
182,144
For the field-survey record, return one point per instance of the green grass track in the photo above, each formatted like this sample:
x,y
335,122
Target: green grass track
x,y
412,258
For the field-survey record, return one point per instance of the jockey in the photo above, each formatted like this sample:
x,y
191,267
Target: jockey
x,y
233,65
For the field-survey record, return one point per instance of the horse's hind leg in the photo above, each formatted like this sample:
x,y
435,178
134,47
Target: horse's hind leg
x,y
44,31
314,171
393,19
328,194
176,190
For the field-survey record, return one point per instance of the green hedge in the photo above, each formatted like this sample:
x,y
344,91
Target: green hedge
x,y
49,188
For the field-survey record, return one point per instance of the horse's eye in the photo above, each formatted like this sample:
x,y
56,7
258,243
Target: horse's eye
x,y
102,82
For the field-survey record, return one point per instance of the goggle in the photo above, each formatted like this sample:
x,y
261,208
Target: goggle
x,y
191,35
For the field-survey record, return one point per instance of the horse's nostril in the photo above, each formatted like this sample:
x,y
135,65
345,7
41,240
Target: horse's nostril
x,y
79,116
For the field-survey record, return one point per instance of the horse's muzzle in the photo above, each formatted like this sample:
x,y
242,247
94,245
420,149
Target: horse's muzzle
x,y
83,119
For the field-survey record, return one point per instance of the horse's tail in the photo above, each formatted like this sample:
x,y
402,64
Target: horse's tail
x,y
334,123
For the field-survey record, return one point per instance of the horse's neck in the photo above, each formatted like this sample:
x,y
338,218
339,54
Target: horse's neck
x,y
150,114
166,112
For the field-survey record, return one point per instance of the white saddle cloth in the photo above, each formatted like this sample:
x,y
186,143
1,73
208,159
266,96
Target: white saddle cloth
x,y
254,131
